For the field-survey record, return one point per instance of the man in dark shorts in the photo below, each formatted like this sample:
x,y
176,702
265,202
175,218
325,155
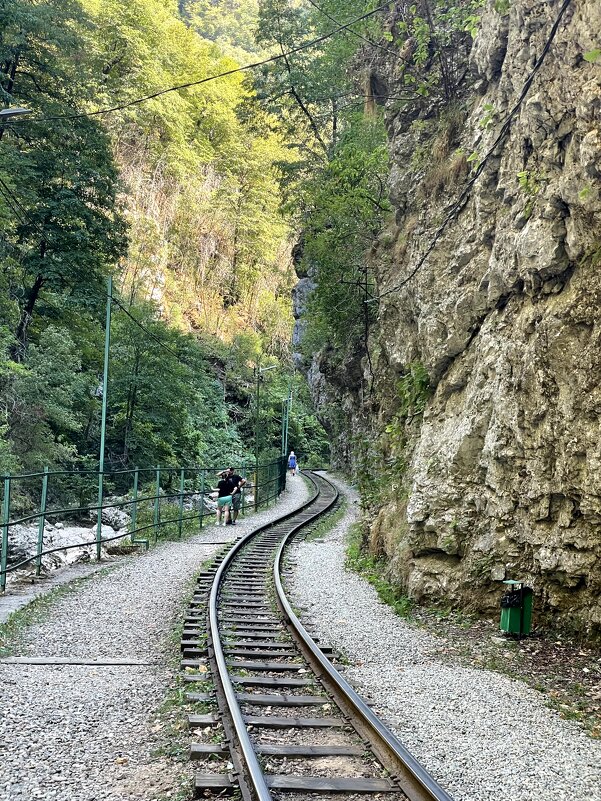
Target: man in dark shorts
x,y
235,483
224,499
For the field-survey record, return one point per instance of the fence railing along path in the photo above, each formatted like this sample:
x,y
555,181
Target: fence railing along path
x,y
145,494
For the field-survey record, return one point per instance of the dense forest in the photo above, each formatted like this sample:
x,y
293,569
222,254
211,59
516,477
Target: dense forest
x,y
190,199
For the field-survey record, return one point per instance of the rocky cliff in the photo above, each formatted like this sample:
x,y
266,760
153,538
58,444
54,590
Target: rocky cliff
x,y
501,471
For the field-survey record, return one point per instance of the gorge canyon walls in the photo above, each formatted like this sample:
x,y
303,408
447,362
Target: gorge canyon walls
x,y
501,470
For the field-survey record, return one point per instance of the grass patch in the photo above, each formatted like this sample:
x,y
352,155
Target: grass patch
x,y
372,570
327,523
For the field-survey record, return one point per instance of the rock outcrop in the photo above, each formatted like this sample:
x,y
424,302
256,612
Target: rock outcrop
x,y
504,465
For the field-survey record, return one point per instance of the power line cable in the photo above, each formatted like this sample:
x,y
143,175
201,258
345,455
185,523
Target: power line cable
x,y
140,325
10,205
357,34
190,84
461,201
18,209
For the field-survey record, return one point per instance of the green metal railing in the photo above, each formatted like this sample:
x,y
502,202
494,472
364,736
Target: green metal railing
x,y
146,493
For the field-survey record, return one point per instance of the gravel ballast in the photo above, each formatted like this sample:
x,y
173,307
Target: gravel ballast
x,y
482,735
90,732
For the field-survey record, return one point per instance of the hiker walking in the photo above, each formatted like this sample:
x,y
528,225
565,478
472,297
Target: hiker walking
x,y
292,463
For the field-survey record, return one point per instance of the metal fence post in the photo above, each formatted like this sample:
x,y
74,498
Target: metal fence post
x,y
134,506
272,482
5,519
181,501
42,523
157,508
288,407
258,487
105,381
202,496
243,503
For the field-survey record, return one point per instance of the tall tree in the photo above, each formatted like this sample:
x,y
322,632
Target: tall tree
x,y
58,177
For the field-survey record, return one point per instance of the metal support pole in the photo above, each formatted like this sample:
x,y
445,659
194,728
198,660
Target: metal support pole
x,y
181,501
258,370
105,381
202,496
288,407
5,519
134,506
157,508
42,523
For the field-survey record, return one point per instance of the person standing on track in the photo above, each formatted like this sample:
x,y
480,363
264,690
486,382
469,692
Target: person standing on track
x,y
236,483
224,498
292,463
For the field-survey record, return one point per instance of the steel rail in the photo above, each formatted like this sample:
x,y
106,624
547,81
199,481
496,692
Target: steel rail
x,y
415,781
412,779
255,773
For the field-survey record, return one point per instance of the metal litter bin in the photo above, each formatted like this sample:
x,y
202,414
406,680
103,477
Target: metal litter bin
x,y
516,609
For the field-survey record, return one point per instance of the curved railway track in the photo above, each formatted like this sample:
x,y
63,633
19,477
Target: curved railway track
x,y
288,724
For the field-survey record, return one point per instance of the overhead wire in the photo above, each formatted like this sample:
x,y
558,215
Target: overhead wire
x,y
461,201
10,204
18,209
140,325
357,34
190,84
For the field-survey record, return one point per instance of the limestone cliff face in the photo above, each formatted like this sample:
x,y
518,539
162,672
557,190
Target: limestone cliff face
x,y
504,476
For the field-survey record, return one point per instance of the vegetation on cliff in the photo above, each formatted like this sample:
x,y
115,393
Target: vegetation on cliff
x,y
179,198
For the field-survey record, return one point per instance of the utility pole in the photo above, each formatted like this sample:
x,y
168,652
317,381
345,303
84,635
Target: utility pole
x,y
105,382
288,409
286,405
258,370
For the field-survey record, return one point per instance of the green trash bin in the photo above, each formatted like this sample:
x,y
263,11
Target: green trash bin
x,y
516,609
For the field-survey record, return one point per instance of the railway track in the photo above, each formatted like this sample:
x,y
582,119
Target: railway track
x,y
284,723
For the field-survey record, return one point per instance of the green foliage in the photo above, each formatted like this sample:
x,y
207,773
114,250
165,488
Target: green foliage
x,y
64,227
414,390
489,116
231,24
381,463
435,37
530,182
48,400
373,570
348,205
592,56
194,178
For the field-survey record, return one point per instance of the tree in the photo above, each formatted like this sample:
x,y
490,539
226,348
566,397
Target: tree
x,y
66,230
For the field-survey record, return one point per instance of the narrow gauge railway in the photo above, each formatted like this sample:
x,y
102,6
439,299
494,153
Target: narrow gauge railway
x,y
288,722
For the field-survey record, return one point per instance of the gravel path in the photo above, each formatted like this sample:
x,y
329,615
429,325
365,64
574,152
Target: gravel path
x,y
88,733
480,734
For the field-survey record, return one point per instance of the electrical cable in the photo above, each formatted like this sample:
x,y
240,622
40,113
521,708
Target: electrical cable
x,y
13,208
157,339
462,200
357,34
18,209
189,84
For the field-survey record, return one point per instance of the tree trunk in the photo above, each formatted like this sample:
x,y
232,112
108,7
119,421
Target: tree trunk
x,y
26,315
